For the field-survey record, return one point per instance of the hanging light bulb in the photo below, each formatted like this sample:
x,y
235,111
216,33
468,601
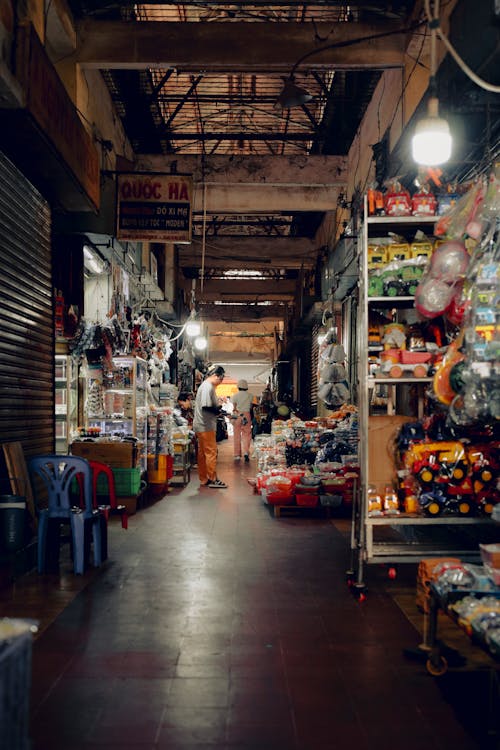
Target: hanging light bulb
x,y
431,143
193,328
200,343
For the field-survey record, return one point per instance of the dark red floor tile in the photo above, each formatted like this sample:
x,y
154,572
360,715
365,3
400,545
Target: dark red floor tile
x,y
215,625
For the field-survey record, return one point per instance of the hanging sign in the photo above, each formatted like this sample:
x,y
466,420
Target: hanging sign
x,y
154,207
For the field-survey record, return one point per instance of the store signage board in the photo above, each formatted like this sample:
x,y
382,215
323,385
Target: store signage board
x,y
154,206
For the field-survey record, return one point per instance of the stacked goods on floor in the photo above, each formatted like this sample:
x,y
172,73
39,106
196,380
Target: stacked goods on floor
x,y
308,464
471,595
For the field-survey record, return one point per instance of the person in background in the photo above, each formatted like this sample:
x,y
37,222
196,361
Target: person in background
x,y
185,406
206,411
242,424
185,409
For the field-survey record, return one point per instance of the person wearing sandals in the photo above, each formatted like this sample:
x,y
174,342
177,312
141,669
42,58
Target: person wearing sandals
x,y
206,410
242,415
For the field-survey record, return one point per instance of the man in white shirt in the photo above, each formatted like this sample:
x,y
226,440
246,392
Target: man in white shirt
x,y
206,410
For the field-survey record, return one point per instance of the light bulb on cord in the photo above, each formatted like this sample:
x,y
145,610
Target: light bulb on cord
x,y
193,328
431,143
200,343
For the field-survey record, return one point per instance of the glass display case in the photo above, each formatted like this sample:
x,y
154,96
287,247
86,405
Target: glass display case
x,y
115,401
66,401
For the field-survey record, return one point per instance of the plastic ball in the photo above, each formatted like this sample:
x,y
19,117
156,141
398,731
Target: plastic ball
x,y
433,296
449,262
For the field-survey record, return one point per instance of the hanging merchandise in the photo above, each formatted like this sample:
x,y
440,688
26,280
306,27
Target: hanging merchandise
x,y
96,343
333,388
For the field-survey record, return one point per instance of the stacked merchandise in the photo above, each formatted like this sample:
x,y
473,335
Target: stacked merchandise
x,y
333,388
448,463
471,594
308,464
160,448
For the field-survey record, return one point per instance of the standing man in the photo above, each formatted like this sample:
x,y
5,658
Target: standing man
x,y
206,409
242,415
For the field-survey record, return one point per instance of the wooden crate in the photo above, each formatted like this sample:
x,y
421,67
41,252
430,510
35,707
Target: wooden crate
x,y
117,455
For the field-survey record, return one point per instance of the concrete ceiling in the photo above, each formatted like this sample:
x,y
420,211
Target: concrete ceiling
x,y
196,85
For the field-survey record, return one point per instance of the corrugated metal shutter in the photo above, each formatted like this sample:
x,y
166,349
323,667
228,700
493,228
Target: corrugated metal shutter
x,y
26,314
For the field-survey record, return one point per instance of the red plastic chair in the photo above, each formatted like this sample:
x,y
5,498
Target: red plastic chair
x,y
111,508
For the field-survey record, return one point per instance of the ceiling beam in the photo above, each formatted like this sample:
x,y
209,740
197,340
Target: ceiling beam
x,y
222,47
314,169
250,252
282,290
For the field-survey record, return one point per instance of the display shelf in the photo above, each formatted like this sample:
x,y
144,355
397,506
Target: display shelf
x,y
391,538
115,401
66,401
395,381
182,461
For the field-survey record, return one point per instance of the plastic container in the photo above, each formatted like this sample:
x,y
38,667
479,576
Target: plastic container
x,y
127,482
280,498
15,682
307,500
12,522
332,501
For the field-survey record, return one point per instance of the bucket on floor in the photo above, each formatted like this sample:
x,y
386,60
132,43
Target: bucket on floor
x,y
12,522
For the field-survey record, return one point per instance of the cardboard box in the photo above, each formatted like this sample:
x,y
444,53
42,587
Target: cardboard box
x,y
118,455
381,433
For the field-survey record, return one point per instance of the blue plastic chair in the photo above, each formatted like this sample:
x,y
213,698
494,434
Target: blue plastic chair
x,y
55,474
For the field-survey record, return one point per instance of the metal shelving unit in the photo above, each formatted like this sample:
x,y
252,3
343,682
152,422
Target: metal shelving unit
x,y
392,538
124,401
66,401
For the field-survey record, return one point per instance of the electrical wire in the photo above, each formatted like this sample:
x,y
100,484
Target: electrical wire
x,y
352,42
434,24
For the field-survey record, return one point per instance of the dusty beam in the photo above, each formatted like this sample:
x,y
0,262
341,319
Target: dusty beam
x,y
237,46
251,252
303,169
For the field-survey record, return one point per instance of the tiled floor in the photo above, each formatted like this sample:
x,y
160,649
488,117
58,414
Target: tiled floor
x,y
215,625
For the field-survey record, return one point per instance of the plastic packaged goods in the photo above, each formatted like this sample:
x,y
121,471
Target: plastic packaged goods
x,y
375,507
390,501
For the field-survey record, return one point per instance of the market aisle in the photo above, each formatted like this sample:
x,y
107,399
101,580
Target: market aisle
x,y
214,625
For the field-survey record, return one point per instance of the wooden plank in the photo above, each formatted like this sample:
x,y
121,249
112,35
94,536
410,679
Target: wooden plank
x,y
18,474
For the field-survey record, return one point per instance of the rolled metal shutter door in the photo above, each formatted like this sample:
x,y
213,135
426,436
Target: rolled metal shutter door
x,y
26,314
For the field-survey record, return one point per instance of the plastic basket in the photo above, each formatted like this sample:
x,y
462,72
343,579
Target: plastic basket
x,y
280,498
306,500
15,685
127,482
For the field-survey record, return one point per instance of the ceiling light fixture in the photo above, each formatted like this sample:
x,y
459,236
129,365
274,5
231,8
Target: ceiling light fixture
x,y
295,96
192,327
431,142
93,262
292,95
200,343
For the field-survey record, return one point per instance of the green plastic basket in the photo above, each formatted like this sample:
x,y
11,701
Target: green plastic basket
x,y
127,482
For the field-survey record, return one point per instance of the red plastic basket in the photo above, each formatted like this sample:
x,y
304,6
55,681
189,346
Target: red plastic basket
x,y
307,500
280,498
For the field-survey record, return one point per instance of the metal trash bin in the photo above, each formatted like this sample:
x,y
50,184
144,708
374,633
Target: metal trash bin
x,y
12,522
15,682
